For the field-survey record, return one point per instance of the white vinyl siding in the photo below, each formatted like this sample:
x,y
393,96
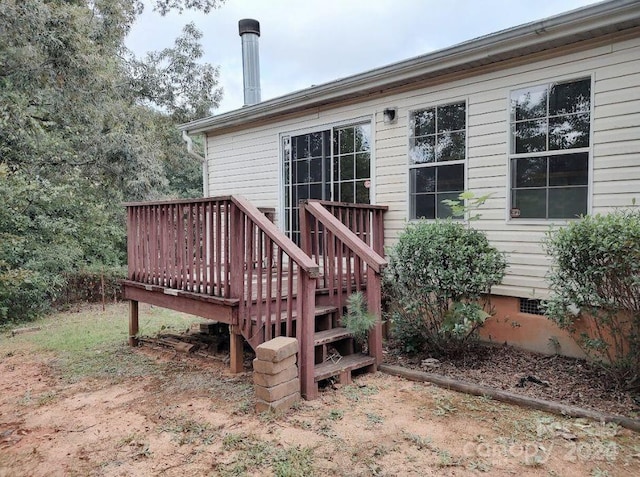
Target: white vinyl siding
x,y
247,162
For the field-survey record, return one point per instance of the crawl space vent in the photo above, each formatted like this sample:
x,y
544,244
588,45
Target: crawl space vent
x,y
531,307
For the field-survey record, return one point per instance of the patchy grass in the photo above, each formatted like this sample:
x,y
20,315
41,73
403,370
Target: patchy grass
x,y
250,454
189,431
92,343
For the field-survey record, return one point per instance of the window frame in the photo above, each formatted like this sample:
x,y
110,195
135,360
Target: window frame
x,y
548,153
411,206
318,127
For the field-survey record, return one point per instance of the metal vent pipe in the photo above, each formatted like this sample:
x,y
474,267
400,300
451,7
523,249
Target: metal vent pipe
x,y
250,32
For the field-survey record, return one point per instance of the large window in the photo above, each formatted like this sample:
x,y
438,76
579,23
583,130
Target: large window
x,y
334,164
549,160
437,153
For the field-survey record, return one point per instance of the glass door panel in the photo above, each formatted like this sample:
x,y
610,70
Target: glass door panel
x,y
333,165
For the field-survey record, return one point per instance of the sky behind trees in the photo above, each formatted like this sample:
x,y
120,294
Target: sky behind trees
x,y
307,42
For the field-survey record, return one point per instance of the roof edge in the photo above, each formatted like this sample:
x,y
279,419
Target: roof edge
x,y
565,25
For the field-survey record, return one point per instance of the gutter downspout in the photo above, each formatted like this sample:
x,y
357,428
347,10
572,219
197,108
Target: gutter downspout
x,y
205,165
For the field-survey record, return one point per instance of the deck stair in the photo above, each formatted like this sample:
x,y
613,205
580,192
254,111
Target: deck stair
x,y
336,353
221,258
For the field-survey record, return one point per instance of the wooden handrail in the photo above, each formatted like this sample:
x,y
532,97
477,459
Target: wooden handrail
x,y
178,201
275,234
350,205
366,253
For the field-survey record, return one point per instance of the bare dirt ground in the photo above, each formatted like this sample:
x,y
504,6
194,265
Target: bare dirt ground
x,y
189,416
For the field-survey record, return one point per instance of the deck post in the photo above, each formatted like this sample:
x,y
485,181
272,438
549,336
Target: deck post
x,y
236,350
306,327
374,292
133,323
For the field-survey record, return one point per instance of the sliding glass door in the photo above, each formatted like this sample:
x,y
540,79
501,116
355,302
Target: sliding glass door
x,y
331,164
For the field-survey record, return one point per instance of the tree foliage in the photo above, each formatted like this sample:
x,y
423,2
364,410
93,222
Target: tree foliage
x,y
84,126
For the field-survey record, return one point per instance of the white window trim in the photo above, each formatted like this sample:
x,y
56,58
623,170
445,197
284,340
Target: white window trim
x,y
464,161
589,150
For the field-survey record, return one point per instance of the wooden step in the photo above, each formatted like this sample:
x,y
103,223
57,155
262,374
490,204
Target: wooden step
x,y
329,336
346,364
319,311
325,310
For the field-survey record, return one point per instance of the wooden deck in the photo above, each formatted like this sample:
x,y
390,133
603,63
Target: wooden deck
x,y
223,259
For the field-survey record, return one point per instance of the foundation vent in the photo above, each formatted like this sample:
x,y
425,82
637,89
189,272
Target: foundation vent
x,y
532,307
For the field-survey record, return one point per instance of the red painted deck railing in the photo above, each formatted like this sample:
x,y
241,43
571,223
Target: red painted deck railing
x,y
226,247
346,256
366,221
181,245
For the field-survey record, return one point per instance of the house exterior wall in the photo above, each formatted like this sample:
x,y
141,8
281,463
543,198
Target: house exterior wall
x,y
248,161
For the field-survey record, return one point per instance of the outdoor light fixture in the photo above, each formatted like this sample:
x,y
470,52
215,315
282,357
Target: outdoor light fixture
x,y
390,115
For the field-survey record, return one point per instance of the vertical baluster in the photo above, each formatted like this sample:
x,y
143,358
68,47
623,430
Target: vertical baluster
x,y
162,239
227,244
279,292
130,237
316,246
168,244
249,272
349,266
200,275
151,248
189,249
290,288
135,241
146,242
141,244
180,249
357,268
330,258
260,277
173,234
220,287
379,226
152,245
207,247
133,266
203,248
269,291
213,247
155,266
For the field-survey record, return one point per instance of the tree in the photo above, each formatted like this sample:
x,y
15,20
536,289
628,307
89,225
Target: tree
x,y
84,126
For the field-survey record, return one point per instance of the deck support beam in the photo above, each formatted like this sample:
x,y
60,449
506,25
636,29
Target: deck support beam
x,y
374,292
133,323
236,350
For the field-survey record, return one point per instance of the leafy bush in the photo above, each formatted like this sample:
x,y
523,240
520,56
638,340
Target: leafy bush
x,y
357,320
48,232
596,274
437,273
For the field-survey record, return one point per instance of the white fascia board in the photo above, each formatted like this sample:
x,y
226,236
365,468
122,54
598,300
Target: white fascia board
x,y
555,31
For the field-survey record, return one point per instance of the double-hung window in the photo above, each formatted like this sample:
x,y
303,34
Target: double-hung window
x,y
437,153
549,156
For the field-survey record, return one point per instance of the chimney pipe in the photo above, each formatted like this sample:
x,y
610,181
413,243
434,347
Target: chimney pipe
x,y
250,32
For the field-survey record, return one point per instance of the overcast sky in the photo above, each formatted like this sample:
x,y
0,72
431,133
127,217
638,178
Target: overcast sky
x,y
310,42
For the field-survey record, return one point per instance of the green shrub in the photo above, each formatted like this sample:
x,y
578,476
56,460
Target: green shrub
x,y
437,273
357,320
596,273
24,294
